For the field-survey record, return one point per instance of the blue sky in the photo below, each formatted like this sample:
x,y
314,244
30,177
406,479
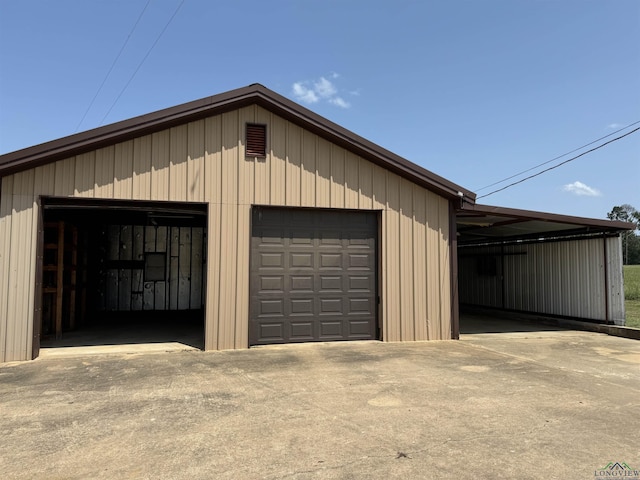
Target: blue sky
x,y
473,90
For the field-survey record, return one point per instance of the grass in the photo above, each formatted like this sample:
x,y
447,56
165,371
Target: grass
x,y
632,295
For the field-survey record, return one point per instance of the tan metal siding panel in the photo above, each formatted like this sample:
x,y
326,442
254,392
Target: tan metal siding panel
x,y
405,273
160,159
85,175
246,181
228,276
212,300
308,169
262,166
229,231
391,246
379,188
104,172
45,180
337,177
444,279
213,194
178,163
292,166
241,339
142,168
365,184
6,223
278,161
65,177
433,268
195,161
351,177
123,168
213,160
420,263
323,173
21,272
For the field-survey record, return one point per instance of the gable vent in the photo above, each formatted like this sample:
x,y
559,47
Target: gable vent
x,y
256,140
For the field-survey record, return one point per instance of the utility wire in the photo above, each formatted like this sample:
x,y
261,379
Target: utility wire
x,y
561,163
113,65
556,158
141,62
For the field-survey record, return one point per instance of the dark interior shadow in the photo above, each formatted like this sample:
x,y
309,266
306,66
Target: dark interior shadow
x,y
502,322
124,328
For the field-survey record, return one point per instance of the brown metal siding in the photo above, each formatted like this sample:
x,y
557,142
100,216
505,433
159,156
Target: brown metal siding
x,y
204,161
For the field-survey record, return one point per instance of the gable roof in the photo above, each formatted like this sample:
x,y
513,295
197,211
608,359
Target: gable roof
x,y
253,94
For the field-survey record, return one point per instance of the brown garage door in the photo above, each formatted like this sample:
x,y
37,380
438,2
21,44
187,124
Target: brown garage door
x,y
313,275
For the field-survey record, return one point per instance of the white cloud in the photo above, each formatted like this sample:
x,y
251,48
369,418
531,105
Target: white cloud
x,y
304,94
613,126
324,88
340,102
579,188
320,89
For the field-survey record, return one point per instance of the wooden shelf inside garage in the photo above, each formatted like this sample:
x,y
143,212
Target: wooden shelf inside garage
x,y
60,274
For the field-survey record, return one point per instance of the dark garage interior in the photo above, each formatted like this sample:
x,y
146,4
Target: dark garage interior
x,y
122,272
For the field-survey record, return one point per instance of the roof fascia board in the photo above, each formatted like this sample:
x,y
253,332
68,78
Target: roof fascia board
x,y
546,217
152,122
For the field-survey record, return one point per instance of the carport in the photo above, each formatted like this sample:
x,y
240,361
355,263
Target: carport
x,y
539,263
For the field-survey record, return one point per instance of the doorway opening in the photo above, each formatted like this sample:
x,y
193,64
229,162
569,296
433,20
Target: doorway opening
x,y
121,273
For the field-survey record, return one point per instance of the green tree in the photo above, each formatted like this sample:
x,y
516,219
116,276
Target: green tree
x,y
630,241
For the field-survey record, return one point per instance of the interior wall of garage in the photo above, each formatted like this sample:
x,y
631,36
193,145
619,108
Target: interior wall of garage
x,y
573,278
204,161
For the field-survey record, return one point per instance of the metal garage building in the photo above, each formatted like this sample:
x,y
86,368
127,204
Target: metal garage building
x,y
245,213
174,213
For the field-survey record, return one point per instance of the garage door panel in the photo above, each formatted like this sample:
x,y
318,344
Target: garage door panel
x,y
331,330
331,306
301,260
272,332
271,260
360,283
330,283
301,283
271,284
301,307
271,307
359,328
360,306
301,331
319,278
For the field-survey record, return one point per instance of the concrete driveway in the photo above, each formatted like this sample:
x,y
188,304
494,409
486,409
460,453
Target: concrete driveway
x,y
527,404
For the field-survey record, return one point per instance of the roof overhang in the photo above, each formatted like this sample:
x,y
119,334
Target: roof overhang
x,y
484,224
253,94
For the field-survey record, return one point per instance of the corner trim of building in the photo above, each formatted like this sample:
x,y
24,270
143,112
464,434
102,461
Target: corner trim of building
x,y
453,245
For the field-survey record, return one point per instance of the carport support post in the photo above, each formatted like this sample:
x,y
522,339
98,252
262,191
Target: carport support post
x,y
606,279
453,245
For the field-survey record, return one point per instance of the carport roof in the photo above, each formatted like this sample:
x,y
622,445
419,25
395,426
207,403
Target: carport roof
x,y
253,94
478,224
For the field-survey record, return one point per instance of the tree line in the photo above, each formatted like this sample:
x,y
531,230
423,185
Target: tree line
x,y
630,238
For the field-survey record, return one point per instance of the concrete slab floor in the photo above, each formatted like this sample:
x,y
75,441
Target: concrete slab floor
x,y
520,405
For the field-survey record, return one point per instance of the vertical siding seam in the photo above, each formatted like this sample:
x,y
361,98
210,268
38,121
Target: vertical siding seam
x,y
412,264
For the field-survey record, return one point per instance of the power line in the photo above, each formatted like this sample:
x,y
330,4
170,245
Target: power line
x,y
113,65
556,158
141,62
561,163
